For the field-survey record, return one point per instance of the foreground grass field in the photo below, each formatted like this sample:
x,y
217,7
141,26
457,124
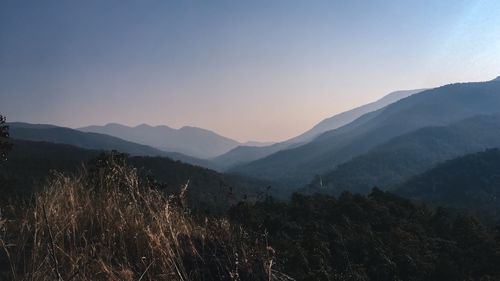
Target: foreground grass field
x,y
105,224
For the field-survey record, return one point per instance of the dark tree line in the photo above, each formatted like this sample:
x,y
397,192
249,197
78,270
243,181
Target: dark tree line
x,y
5,144
376,237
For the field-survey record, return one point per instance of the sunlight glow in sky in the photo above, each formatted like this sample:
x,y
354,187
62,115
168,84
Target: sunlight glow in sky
x,y
250,70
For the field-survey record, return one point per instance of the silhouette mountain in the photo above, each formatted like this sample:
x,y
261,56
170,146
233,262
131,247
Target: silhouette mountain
x,y
347,117
190,141
411,154
247,153
31,162
436,107
96,141
469,182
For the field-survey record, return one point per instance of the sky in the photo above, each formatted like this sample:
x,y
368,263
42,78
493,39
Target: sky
x,y
263,70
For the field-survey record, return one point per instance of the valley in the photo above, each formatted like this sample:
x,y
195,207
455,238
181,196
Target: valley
x,y
249,140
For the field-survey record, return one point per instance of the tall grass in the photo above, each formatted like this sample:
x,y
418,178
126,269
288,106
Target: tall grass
x,y
104,224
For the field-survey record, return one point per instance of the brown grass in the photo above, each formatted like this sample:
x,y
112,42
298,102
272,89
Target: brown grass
x,y
107,225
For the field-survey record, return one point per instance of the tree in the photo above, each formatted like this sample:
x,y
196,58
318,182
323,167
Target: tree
x,y
5,144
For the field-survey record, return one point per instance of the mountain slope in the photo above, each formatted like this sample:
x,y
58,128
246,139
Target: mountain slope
x,y
347,117
411,154
245,154
468,182
190,141
30,162
258,143
54,134
435,107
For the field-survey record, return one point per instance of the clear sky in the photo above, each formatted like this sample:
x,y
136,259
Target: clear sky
x,y
251,70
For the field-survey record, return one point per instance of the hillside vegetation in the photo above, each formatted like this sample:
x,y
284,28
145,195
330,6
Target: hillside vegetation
x,y
411,154
471,182
376,237
30,163
95,141
110,216
105,224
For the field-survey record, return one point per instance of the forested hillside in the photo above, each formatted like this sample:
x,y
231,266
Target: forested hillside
x,y
411,154
96,141
376,237
437,107
379,236
245,154
31,163
471,183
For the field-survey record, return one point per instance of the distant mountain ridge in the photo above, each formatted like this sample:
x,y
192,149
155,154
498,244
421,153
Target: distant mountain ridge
x,y
347,117
191,141
411,154
244,154
436,107
95,141
258,143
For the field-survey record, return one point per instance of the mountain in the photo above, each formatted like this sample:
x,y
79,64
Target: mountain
x,y
411,154
384,236
21,125
96,141
347,117
192,141
247,153
31,162
436,107
244,154
469,182
258,143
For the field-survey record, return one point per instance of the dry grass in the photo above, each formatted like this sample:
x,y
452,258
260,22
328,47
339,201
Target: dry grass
x,y
107,225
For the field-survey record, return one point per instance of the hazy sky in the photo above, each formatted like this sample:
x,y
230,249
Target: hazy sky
x,y
250,70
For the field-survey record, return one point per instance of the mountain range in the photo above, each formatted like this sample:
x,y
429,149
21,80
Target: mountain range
x,y
225,152
94,141
380,144
191,141
245,154
31,162
411,154
435,107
